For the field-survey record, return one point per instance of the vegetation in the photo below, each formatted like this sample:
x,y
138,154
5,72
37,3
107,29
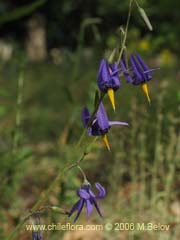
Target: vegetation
x,y
40,122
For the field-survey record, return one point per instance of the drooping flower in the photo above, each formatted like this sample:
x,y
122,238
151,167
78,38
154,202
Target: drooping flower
x,y
100,125
108,79
88,198
140,73
37,232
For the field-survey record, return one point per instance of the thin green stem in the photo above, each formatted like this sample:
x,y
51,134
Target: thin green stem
x,y
137,3
45,196
59,177
103,94
19,103
83,173
126,31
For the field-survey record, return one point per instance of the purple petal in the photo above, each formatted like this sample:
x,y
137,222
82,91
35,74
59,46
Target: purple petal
x,y
35,235
92,194
83,194
97,207
136,69
85,116
151,70
80,207
105,71
75,207
41,235
101,189
102,64
102,117
126,73
111,123
115,71
144,66
89,207
103,75
124,59
115,82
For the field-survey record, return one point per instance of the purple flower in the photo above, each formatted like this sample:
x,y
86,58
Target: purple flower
x,y
36,235
140,73
100,125
88,198
37,232
140,70
108,79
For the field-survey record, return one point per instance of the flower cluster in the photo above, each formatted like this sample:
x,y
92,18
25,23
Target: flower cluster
x,y
98,124
137,74
108,82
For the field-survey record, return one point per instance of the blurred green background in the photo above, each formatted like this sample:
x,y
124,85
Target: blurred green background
x,y
49,57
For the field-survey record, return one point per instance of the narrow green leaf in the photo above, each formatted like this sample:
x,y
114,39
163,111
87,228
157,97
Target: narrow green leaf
x,y
145,18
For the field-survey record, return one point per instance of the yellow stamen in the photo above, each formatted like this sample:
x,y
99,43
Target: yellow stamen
x,y
146,92
105,140
110,93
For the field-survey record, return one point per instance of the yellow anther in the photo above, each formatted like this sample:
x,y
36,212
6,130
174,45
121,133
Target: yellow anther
x,y
105,140
110,93
146,92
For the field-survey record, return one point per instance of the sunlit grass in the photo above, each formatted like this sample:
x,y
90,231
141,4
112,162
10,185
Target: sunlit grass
x,y
141,173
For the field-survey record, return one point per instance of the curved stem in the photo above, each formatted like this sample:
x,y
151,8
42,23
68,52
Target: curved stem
x,y
83,173
44,196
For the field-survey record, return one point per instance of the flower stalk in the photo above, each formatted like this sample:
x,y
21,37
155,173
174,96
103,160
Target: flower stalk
x,y
96,124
